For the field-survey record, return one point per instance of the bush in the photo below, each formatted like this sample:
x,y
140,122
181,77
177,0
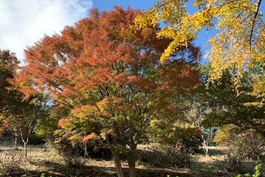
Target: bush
x,y
70,153
241,146
257,172
163,156
35,139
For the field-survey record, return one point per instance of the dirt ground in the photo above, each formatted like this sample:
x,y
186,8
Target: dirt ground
x,y
45,162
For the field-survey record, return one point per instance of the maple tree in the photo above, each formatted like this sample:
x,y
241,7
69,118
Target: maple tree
x,y
238,28
109,79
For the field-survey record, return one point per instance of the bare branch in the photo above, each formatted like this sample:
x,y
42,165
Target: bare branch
x,y
253,23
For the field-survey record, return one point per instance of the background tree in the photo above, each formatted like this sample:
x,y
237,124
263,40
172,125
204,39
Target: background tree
x,y
238,28
8,97
17,116
110,80
225,106
7,68
218,104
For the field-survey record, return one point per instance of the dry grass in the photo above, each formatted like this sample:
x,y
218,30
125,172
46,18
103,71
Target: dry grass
x,y
215,155
46,160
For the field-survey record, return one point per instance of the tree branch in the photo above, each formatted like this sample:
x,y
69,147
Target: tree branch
x,y
253,23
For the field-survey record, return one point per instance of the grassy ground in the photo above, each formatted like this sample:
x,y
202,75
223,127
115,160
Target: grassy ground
x,y
45,162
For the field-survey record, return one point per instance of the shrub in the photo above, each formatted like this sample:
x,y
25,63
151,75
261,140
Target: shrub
x,y
70,153
246,145
257,172
35,139
163,156
241,145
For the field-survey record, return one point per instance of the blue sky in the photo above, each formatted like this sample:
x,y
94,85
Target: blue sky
x,y
108,4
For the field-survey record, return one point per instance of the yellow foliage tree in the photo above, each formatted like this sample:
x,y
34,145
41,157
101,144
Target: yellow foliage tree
x,y
237,24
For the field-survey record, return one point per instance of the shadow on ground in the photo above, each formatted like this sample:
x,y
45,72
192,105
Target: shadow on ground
x,y
59,170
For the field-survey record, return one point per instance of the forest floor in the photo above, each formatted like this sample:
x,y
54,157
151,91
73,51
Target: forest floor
x,y
46,162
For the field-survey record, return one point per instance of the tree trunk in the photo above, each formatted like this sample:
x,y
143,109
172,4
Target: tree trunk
x,y
25,142
117,163
86,153
132,160
205,147
116,158
15,140
25,149
211,135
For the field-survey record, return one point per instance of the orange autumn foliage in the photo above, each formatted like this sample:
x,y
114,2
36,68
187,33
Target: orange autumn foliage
x,y
88,137
109,77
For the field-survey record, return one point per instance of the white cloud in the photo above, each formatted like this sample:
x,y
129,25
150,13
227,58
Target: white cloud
x,y
23,22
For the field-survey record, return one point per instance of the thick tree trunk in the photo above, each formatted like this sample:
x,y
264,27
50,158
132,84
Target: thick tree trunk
x,y
132,160
116,158
117,163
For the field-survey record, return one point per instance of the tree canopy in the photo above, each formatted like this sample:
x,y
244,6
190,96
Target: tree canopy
x,y
17,116
239,31
9,98
117,79
110,79
223,106
7,68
